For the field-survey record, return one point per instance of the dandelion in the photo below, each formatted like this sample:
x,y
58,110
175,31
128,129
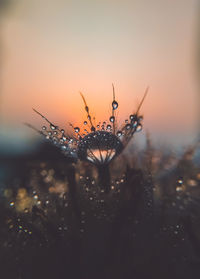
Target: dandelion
x,y
98,144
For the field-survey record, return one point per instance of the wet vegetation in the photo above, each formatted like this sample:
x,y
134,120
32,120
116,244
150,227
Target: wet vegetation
x,y
56,222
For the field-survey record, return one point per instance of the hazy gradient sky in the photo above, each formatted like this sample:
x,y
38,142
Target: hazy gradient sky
x,y
54,49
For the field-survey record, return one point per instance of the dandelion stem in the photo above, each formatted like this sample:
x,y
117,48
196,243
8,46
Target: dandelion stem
x,y
104,177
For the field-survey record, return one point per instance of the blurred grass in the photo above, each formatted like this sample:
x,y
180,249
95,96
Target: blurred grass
x,y
62,225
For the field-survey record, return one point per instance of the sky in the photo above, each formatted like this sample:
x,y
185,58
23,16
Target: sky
x,y
52,50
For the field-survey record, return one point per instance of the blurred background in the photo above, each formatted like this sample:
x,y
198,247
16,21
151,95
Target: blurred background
x,y
54,217
51,50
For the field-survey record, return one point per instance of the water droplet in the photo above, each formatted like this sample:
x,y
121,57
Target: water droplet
x,y
108,127
119,133
139,128
52,127
112,119
12,203
126,121
192,182
55,132
179,189
115,105
134,123
133,117
49,133
180,181
62,131
128,126
64,147
44,128
85,122
77,129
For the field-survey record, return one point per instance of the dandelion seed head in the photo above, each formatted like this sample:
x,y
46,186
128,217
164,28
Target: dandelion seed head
x,y
98,144
99,147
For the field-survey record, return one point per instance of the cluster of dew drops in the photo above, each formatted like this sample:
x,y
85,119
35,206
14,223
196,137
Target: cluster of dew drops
x,y
69,141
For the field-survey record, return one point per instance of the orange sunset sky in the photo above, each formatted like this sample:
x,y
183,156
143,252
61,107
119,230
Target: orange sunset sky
x,y
51,50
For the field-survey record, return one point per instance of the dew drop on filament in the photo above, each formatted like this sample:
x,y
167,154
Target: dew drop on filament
x,y
119,133
77,129
52,127
133,117
128,126
134,123
114,105
112,119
